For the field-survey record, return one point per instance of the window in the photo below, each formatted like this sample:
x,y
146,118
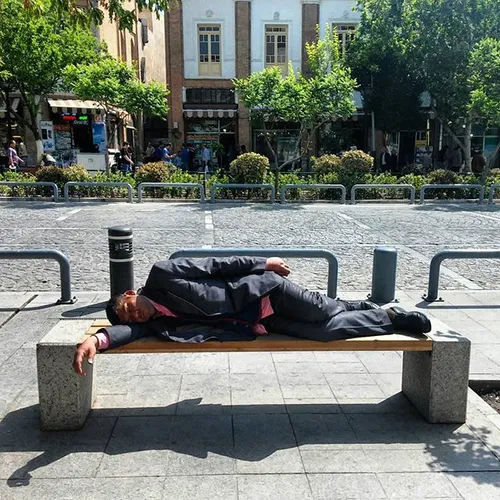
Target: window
x,y
209,96
277,46
346,33
209,62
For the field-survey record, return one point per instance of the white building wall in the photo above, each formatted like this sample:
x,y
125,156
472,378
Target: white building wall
x,y
337,11
221,12
287,12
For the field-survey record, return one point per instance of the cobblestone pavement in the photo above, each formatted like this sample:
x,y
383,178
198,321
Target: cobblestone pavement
x,y
351,232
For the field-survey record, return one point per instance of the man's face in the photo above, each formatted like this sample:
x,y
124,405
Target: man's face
x,y
134,309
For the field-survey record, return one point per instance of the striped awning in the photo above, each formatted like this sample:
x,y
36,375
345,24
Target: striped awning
x,y
73,106
3,107
210,113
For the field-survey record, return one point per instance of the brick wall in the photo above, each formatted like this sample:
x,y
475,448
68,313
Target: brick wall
x,y
310,19
175,71
243,45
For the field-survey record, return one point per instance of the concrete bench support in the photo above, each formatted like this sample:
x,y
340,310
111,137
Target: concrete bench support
x,y
65,398
436,382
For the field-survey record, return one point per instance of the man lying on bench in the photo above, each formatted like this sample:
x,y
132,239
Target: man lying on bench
x,y
237,298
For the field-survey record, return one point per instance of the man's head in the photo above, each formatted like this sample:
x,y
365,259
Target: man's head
x,y
12,144
126,144
129,308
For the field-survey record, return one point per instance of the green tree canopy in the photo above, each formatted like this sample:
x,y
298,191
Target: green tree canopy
x,y
87,12
310,101
115,86
34,52
436,39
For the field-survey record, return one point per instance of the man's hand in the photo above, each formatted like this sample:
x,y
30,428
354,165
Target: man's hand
x,y
86,350
279,266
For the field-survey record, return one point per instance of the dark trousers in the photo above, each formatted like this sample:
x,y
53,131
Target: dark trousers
x,y
314,316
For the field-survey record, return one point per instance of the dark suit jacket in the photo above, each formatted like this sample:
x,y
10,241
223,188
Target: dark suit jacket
x,y
199,289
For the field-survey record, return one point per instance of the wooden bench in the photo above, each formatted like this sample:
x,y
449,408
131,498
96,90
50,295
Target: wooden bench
x,y
435,367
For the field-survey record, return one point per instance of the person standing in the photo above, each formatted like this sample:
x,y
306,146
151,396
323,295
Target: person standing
x,y
206,156
125,159
23,151
166,156
478,162
13,158
456,159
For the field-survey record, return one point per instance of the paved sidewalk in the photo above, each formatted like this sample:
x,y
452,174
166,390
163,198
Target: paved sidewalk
x,y
246,425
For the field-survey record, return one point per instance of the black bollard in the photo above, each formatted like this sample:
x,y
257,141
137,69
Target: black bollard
x,y
121,260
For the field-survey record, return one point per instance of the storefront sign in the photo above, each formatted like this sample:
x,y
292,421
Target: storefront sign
x,y
99,136
47,131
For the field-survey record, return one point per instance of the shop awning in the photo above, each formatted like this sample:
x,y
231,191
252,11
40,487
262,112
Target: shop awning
x,y
210,113
73,106
3,107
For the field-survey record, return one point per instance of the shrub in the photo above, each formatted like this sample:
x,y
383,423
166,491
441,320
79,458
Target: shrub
x,y
249,168
415,180
325,164
74,173
416,169
356,161
380,194
19,190
154,172
442,176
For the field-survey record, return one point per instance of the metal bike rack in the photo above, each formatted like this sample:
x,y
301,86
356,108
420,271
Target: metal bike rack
x,y
312,186
100,184
432,292
242,186
333,264
165,185
55,189
383,186
493,187
480,187
64,267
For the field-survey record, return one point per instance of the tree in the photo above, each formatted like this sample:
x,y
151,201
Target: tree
x,y
114,85
93,12
34,52
311,101
485,82
437,38
387,85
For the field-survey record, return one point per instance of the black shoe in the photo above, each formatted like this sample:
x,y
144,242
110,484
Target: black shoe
x,y
411,322
358,305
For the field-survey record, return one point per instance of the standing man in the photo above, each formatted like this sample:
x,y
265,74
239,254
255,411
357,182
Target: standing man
x,y
206,156
23,151
237,298
13,158
125,158
167,157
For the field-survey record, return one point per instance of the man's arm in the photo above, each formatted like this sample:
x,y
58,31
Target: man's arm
x,y
225,267
117,335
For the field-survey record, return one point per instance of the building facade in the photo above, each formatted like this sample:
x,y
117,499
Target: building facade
x,y
212,42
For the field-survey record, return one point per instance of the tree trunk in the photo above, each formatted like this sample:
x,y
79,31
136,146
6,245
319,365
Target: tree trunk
x,y
467,148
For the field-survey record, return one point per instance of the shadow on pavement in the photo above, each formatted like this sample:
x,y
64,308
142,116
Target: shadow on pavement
x,y
381,442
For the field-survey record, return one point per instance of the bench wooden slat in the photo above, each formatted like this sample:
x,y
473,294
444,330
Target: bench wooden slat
x,y
273,342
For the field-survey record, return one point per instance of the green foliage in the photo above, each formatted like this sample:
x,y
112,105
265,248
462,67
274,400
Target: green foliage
x,y
356,161
249,168
154,172
325,164
416,168
414,179
60,176
115,86
310,100
485,79
443,176
94,13
35,50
